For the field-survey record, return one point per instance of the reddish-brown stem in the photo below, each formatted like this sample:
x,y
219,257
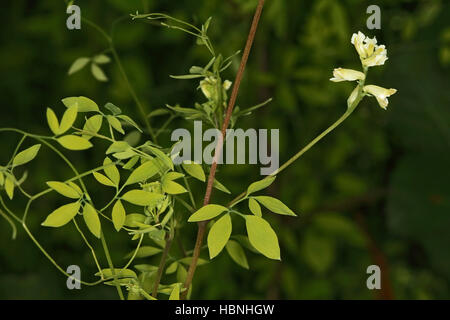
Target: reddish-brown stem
x,y
212,173
162,263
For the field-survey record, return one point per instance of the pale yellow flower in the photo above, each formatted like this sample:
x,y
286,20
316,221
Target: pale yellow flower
x,y
227,84
209,87
358,42
380,93
369,52
340,74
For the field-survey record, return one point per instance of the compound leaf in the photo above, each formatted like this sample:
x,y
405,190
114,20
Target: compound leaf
x,y
219,235
64,189
111,171
75,143
118,215
143,172
84,104
78,65
142,198
98,73
262,237
52,121
260,185
236,253
208,212
194,170
275,205
254,207
68,119
103,179
26,155
62,215
92,220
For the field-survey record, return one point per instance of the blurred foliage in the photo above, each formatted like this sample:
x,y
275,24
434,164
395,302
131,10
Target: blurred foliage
x,y
379,183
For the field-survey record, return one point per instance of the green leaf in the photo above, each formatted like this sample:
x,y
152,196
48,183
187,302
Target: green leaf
x,y
145,252
130,164
262,237
194,170
103,179
9,186
130,121
26,155
64,189
249,111
118,215
101,59
133,220
173,176
119,273
118,146
62,215
133,138
92,220
115,123
217,185
75,187
111,171
171,187
162,156
254,207
260,185
84,104
219,235
236,253
208,212
172,267
98,73
125,155
243,240
275,205
52,121
144,268
187,77
68,119
157,113
142,198
188,260
76,143
2,179
175,294
143,172
92,125
78,64
115,110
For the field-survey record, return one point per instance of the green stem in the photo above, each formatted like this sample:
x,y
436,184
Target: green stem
x,y
191,196
111,265
134,254
89,246
311,144
12,224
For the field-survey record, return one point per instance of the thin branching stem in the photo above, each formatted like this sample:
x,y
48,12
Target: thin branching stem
x,y
211,178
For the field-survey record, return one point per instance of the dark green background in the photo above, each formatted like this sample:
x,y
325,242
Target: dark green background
x,y
377,191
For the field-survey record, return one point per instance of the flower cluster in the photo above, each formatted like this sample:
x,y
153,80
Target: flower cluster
x,y
371,54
